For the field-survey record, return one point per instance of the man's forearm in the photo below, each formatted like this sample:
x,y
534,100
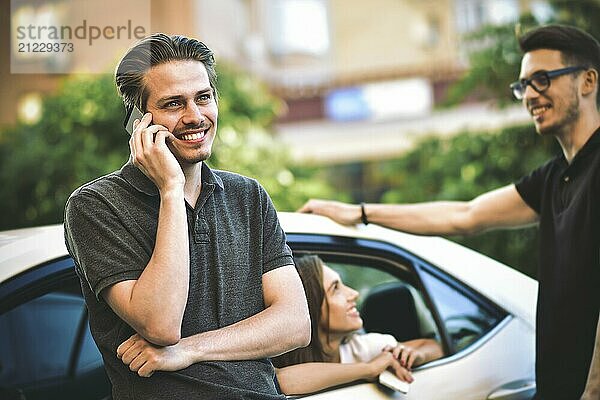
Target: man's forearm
x,y
436,218
282,326
266,334
154,304
500,208
592,387
273,331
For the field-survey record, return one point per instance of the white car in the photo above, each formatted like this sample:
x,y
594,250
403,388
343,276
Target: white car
x,y
482,312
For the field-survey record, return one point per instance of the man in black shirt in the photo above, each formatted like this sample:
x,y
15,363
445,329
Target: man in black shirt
x,y
558,85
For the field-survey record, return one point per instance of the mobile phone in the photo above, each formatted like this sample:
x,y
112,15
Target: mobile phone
x,y
133,113
390,380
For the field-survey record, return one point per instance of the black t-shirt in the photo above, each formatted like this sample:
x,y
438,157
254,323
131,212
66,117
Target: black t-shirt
x,y
234,236
567,200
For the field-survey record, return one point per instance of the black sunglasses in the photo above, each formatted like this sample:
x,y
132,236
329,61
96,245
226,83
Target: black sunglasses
x,y
540,81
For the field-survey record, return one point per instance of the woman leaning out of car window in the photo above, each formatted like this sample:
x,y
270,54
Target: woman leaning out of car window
x,y
337,353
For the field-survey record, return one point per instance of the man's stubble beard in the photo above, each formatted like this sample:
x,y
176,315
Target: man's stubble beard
x,y
566,123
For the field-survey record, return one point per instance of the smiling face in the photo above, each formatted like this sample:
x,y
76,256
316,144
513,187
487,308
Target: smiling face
x,y
556,110
181,99
339,305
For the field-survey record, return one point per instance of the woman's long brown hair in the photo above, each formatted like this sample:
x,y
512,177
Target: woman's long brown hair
x,y
310,269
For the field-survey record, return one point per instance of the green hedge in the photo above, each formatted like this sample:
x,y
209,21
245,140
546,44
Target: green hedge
x,y
80,137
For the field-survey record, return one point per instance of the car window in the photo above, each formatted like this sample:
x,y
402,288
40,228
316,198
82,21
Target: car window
x,y
465,316
37,338
89,358
46,349
388,303
389,300
361,278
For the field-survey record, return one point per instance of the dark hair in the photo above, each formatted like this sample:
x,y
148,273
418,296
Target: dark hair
x,y
154,50
576,46
310,269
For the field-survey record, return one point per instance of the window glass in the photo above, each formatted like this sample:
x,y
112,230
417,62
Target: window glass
x,y
388,304
472,14
464,319
361,279
90,357
287,33
37,338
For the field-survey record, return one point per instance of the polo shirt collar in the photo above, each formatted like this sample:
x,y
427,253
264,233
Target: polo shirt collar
x,y
209,177
589,146
136,178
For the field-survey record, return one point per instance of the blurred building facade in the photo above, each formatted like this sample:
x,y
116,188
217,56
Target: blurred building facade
x,y
308,49
360,81
349,71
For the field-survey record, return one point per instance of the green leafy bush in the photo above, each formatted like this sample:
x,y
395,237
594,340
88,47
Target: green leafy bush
x,y
80,137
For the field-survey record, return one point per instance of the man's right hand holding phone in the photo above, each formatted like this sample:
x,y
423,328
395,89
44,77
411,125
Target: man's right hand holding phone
x,y
154,303
150,153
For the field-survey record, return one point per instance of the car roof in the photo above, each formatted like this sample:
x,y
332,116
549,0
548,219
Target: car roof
x,y
22,249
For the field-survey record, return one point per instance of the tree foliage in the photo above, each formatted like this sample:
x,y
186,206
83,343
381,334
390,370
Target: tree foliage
x,y
494,59
584,14
494,54
80,137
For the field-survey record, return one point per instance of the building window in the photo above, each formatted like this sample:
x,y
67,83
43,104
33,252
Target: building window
x,y
298,27
472,14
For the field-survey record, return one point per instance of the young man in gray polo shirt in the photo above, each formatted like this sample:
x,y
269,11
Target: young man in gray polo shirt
x,y
185,271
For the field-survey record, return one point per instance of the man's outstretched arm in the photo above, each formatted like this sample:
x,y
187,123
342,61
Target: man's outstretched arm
x,y
500,208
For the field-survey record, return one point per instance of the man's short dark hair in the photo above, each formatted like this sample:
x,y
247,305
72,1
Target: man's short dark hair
x,y
576,46
154,50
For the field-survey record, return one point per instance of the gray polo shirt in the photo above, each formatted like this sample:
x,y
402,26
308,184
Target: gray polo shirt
x,y
234,236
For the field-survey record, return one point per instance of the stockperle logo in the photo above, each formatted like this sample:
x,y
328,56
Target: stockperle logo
x,y
74,36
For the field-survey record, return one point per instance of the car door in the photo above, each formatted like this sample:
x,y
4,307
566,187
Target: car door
x,y
485,347
46,349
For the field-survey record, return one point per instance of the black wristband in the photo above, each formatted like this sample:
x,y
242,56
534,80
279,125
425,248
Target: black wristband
x,y
363,214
